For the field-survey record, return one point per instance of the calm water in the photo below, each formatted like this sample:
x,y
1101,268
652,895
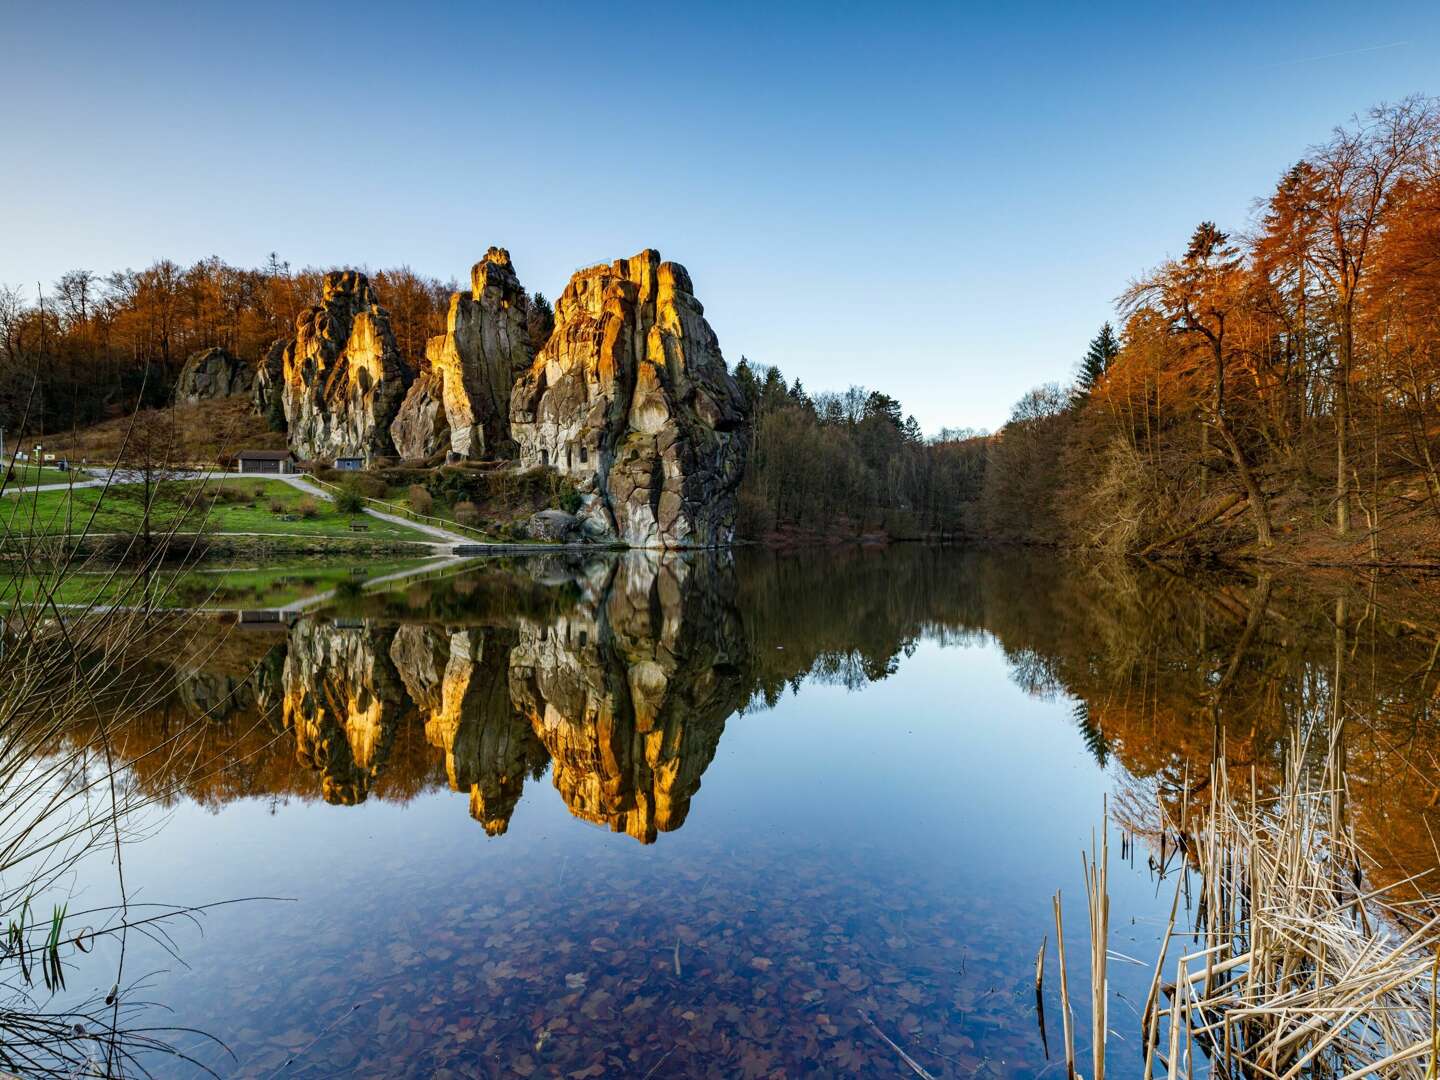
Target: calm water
x,y
632,817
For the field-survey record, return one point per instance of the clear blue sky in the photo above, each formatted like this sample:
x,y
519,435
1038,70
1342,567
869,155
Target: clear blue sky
x,y
935,200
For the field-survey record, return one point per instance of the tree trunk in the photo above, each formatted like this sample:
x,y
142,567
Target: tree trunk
x,y
1253,493
1342,428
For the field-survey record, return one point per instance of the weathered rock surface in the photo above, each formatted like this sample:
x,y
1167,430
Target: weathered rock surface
x,y
555,526
485,348
420,429
213,373
631,398
343,378
267,395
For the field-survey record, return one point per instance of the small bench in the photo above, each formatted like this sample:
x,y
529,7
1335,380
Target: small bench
x,y
359,526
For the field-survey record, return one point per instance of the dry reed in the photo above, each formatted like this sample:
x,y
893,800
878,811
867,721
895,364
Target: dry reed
x,y
1298,968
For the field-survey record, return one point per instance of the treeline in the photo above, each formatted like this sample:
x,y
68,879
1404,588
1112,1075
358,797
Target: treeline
x,y
842,465
1275,387
90,347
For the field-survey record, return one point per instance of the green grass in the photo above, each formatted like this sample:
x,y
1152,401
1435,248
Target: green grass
x,y
214,506
211,587
28,474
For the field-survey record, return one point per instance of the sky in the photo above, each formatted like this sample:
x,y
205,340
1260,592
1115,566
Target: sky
x,y
940,201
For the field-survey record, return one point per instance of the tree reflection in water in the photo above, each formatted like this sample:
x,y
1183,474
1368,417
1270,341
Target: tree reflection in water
x,y
618,674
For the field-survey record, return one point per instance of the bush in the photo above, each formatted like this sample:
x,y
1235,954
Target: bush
x,y
349,499
372,487
421,501
467,513
276,506
307,508
563,495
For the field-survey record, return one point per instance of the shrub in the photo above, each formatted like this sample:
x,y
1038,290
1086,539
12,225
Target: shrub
x,y
372,487
307,508
276,506
421,501
467,513
349,499
517,530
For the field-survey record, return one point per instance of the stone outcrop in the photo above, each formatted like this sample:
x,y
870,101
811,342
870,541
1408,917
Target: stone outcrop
x,y
484,349
213,373
554,526
631,399
343,378
421,429
267,394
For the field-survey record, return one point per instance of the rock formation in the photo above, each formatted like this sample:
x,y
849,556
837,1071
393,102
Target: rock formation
x,y
554,526
267,395
343,378
213,373
421,429
631,398
484,349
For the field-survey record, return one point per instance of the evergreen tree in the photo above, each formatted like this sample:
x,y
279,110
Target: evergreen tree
x,y
1090,732
1104,347
749,384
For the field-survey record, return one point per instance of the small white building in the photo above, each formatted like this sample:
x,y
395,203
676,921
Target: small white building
x,y
264,461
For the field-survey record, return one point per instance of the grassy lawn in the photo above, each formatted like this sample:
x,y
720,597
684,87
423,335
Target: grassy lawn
x,y
216,506
211,587
28,474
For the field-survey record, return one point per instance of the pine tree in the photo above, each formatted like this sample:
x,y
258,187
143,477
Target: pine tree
x,y
1104,347
1090,732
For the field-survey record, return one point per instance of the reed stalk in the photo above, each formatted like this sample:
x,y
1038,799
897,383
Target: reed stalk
x,y
1301,969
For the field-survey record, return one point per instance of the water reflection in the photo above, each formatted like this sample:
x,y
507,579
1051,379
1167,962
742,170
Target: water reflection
x,y
842,855
618,675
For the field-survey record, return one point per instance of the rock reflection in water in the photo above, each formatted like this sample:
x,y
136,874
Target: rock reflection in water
x,y
630,696
618,674
625,694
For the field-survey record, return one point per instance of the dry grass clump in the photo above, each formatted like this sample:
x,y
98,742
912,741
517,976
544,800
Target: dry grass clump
x,y
1305,970
1297,967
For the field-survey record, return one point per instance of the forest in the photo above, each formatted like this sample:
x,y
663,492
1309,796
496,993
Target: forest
x,y
1272,390
1269,391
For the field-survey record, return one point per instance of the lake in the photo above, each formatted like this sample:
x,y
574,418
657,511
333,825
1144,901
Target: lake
x,y
761,815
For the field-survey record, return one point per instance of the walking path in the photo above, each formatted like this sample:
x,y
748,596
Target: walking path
x,y
298,482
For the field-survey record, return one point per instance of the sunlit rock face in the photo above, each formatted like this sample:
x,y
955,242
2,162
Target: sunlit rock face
x,y
344,703
213,373
343,379
631,399
483,351
630,696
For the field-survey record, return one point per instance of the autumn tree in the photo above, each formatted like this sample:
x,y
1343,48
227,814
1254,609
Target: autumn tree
x,y
1201,296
